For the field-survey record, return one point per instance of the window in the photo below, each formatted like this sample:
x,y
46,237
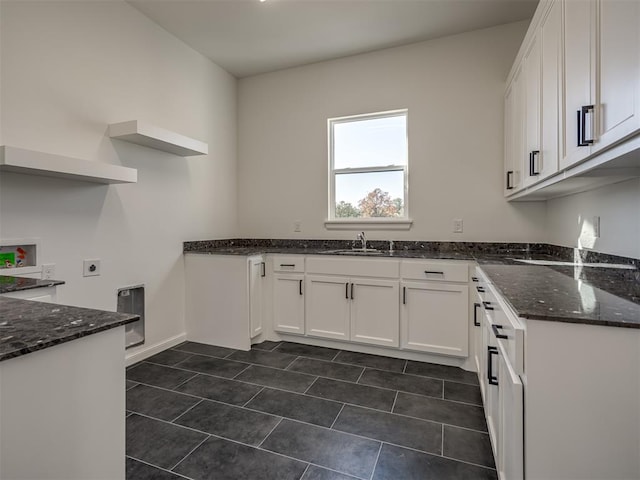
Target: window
x,y
368,167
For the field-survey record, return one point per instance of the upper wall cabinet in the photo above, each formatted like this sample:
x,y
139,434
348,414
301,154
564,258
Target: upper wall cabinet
x,y
579,73
158,138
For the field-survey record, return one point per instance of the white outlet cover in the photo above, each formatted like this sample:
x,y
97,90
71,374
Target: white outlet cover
x,y
48,271
457,225
91,267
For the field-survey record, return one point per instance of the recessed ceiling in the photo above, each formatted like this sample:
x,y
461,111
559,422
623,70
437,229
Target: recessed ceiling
x,y
248,37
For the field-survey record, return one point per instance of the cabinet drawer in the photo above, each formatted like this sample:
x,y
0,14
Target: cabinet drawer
x,y
288,264
435,271
354,267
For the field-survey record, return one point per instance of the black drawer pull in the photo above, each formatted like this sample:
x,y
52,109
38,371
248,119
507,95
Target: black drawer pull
x,y
480,289
346,290
475,314
487,305
264,269
430,272
582,121
352,291
287,264
533,170
491,351
300,287
404,295
495,329
510,180
474,279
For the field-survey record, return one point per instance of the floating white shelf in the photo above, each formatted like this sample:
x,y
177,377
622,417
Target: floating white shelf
x,y
20,160
158,138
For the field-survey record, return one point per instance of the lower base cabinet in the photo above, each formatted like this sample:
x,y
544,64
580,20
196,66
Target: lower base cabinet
x,y
355,309
288,303
431,315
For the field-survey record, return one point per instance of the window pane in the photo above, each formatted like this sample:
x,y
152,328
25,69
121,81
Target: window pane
x,y
379,194
374,142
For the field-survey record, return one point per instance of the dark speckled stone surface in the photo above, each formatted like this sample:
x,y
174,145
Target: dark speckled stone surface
x,y
543,293
27,326
10,284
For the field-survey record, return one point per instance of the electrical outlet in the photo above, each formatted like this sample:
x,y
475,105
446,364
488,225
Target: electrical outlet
x,y
48,271
596,226
297,226
91,268
457,225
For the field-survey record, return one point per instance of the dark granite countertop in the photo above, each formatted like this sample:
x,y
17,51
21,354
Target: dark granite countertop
x,y
27,326
541,281
10,284
570,293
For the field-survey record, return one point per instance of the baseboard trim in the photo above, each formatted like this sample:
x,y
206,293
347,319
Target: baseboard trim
x,y
151,350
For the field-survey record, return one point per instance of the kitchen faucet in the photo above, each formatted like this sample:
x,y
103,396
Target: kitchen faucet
x,y
363,239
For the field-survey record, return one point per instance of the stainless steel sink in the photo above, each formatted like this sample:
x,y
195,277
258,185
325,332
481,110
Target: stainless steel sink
x,y
354,251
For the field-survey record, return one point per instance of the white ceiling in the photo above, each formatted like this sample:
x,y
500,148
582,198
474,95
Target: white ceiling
x,y
248,37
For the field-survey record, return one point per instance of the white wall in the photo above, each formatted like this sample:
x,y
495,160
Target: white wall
x,y
453,88
570,219
68,70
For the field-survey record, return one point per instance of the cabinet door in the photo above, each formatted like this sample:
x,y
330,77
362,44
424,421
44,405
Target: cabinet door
x,y
551,91
434,318
514,133
579,76
327,307
531,154
476,317
256,274
288,303
618,70
490,382
510,461
375,316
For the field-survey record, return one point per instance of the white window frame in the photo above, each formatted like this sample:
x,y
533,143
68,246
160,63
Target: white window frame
x,y
378,223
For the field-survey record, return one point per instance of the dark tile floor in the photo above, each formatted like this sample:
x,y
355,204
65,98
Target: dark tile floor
x,y
291,411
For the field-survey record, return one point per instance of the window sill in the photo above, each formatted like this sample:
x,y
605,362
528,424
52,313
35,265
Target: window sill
x,y
369,224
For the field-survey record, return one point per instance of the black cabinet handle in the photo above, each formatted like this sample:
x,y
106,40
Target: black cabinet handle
x,y
533,170
487,305
352,291
480,289
287,264
475,314
495,329
431,272
583,141
264,269
404,295
491,351
510,180
346,290
300,287
474,279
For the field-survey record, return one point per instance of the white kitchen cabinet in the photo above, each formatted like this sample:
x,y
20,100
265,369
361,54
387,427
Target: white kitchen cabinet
x,y
602,75
510,421
327,307
374,311
618,71
579,79
532,146
355,309
257,271
546,163
223,299
434,318
514,134
43,294
288,303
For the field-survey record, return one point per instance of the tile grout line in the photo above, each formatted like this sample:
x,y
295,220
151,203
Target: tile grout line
x,y
442,441
309,387
294,361
156,466
268,434
242,371
188,379
375,464
187,411
395,399
193,450
336,419
336,356
249,401
305,471
364,369
404,368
